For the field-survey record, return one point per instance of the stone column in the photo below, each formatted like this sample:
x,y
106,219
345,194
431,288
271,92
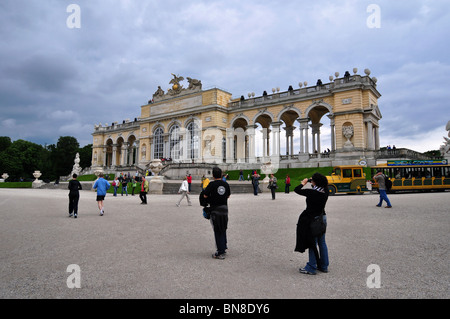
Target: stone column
x,y
333,129
370,142
316,135
251,143
276,138
230,145
114,155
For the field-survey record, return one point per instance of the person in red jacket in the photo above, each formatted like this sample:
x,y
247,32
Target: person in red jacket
x,y
287,181
189,180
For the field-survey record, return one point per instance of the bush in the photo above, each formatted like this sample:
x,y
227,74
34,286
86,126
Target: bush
x,y
16,185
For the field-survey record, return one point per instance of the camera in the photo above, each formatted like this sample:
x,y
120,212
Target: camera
x,y
309,180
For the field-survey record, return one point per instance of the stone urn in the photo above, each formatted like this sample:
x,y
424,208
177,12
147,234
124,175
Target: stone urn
x,y
36,175
5,176
37,183
347,131
267,169
156,166
156,182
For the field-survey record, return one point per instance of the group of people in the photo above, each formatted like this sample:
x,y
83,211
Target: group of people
x,y
214,199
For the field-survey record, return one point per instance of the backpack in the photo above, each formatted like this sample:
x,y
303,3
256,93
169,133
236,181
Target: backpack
x,y
387,183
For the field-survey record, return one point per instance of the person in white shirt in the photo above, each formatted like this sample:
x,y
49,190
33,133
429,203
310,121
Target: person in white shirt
x,y
184,190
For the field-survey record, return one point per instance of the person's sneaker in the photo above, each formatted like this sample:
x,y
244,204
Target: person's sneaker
x,y
388,207
75,216
378,205
70,215
217,256
102,212
323,270
178,205
306,272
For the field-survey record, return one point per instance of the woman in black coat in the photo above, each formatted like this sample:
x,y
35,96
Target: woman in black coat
x,y
316,199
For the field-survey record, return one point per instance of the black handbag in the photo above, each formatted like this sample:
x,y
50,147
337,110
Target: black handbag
x,y
318,226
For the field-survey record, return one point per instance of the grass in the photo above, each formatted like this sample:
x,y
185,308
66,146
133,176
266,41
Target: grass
x,y
16,185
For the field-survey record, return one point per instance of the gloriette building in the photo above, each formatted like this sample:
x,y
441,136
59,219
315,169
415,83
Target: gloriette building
x,y
192,125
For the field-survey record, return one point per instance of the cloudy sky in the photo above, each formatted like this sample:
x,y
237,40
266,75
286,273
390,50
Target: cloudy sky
x,y
59,81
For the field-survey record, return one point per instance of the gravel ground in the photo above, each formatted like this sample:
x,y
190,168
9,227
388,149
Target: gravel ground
x,y
162,251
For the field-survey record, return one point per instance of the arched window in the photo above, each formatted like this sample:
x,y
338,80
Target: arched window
x,y
175,142
158,143
193,140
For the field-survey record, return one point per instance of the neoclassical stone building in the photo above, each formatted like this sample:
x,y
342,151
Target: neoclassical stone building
x,y
192,125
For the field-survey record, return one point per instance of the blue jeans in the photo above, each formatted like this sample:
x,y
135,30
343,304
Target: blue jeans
x,y
383,196
311,265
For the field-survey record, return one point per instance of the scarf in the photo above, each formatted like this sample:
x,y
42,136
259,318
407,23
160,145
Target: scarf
x,y
319,189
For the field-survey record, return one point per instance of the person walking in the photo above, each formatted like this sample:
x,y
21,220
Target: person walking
x,y
101,185
316,199
287,182
144,191
379,178
273,185
217,194
241,175
184,190
74,196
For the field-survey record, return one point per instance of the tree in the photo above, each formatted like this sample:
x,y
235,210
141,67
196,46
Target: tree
x,y
64,155
22,158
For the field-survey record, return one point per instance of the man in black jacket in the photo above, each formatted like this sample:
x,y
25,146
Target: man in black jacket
x,y
217,193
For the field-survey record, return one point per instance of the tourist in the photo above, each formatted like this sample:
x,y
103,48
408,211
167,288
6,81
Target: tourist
x,y
287,182
272,185
74,196
217,194
379,178
133,185
115,184
189,181
255,182
241,175
144,191
125,185
205,182
101,185
316,198
184,190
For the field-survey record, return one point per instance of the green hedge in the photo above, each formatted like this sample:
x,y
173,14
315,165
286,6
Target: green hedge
x,y
16,185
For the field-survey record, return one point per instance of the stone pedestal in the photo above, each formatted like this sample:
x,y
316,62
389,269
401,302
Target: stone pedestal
x,y
156,182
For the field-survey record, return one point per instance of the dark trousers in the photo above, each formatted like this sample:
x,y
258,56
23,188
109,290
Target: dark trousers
x,y
73,203
221,241
272,189
255,189
143,197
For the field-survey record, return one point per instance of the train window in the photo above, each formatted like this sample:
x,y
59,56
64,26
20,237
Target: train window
x,y
347,173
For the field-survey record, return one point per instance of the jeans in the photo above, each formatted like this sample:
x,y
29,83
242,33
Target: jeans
x,y
311,265
115,190
125,188
255,189
383,196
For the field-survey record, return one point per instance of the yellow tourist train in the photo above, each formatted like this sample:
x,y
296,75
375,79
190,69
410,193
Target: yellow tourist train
x,y
349,179
406,175
416,175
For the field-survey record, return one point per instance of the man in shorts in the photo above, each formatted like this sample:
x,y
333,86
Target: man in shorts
x,y
102,185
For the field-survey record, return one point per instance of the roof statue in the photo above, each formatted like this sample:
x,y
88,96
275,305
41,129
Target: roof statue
x,y
177,88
